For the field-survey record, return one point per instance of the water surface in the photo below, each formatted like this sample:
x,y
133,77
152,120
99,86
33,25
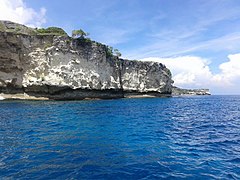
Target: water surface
x,y
188,137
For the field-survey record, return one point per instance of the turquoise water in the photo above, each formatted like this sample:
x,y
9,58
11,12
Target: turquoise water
x,y
152,138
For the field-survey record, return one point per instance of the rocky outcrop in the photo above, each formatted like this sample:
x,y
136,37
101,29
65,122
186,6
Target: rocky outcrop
x,y
179,91
60,67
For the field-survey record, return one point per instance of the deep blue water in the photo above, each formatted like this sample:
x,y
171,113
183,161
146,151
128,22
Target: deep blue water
x,y
152,138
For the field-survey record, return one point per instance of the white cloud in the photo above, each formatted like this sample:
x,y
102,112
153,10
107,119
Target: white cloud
x,y
17,11
194,72
230,71
186,70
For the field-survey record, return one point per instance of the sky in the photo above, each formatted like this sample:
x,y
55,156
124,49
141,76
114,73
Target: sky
x,y
198,40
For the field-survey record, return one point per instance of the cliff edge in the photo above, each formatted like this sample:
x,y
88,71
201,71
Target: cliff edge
x,y
56,66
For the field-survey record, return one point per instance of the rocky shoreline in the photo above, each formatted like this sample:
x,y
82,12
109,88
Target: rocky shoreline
x,y
25,96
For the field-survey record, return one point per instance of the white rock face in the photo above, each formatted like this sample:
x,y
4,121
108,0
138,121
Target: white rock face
x,y
36,63
145,77
73,68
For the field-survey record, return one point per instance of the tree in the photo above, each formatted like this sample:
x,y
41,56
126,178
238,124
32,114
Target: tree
x,y
117,53
109,51
79,33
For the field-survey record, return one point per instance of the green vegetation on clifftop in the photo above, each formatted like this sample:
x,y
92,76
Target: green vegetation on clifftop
x,y
79,35
51,31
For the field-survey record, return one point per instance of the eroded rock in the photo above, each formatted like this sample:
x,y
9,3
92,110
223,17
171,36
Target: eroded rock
x,y
60,67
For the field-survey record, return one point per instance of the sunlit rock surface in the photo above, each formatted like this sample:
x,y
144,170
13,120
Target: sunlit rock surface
x,y
60,67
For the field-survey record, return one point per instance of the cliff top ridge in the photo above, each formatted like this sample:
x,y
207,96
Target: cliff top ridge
x,y
16,28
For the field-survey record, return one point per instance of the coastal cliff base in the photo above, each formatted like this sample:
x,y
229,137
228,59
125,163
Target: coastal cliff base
x,y
80,95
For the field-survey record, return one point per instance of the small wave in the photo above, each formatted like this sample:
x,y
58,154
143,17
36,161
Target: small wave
x,y
232,176
235,160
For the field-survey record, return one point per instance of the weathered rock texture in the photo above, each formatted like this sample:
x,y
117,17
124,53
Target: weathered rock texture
x,y
59,67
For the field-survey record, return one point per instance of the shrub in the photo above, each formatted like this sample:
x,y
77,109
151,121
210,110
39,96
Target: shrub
x,y
51,31
109,51
79,34
83,41
17,29
117,53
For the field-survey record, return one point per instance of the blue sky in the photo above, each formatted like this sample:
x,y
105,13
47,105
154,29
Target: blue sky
x,y
202,32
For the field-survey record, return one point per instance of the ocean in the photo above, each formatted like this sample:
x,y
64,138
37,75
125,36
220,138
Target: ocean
x,y
195,137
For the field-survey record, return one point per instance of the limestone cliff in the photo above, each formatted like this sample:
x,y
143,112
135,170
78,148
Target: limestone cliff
x,y
60,67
